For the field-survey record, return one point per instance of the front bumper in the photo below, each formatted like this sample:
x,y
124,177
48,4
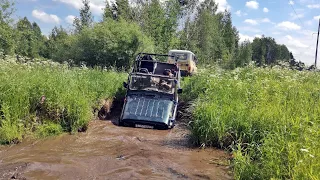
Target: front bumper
x,y
133,122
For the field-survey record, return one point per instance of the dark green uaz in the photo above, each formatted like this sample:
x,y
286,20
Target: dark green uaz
x,y
151,100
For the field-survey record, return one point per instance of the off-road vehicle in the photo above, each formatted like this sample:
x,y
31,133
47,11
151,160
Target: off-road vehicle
x,y
151,99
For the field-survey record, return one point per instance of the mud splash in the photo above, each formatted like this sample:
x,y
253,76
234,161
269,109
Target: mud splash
x,y
107,151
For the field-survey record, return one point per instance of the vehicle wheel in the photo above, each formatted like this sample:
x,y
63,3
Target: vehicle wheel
x,y
120,123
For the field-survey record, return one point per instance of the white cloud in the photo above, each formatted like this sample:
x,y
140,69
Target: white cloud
x,y
249,29
251,21
291,2
238,13
69,19
296,16
288,37
313,6
257,21
265,10
266,20
316,18
276,33
95,5
244,37
295,42
309,23
252,4
222,5
286,25
302,45
74,3
44,17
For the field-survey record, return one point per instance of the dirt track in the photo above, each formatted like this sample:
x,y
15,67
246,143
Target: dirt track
x,y
107,151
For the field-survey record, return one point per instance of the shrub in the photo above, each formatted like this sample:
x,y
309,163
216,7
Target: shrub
x,y
269,118
48,129
70,94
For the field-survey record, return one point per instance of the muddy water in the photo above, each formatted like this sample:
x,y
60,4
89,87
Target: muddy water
x,y
107,151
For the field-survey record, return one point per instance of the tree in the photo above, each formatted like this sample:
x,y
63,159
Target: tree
x,y
6,31
113,43
230,35
153,23
245,54
172,12
6,11
108,12
267,51
86,18
57,46
26,39
208,38
124,10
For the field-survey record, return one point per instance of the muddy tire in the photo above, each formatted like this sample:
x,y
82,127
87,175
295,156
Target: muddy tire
x,y
120,123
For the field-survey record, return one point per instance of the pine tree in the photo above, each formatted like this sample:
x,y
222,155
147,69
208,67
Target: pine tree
x,y
107,14
124,10
86,18
6,11
7,42
26,38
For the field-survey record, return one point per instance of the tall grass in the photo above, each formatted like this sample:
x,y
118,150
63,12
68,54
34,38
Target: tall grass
x,y
269,118
71,94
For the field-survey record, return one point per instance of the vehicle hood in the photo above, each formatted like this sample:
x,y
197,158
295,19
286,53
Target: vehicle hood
x,y
141,108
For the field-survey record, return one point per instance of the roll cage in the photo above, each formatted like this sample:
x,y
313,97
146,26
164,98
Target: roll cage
x,y
148,63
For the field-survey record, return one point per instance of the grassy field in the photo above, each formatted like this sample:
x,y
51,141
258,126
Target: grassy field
x,y
70,97
268,118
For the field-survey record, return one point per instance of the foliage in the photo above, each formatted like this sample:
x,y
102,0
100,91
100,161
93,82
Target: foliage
x,y
70,94
148,25
267,51
48,129
6,11
112,43
268,117
86,18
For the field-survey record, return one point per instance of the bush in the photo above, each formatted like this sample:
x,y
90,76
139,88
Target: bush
x,y
70,94
48,129
269,118
110,44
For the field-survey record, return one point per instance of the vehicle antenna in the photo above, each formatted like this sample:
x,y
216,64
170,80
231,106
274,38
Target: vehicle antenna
x,y
315,62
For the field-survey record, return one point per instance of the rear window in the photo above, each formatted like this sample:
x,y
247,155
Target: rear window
x,y
181,56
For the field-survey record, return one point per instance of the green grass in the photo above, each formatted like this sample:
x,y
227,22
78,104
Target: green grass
x,y
71,94
268,118
48,129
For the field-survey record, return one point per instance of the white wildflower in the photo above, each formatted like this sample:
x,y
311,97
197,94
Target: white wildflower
x,y
304,150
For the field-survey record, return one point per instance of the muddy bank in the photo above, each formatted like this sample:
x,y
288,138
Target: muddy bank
x,y
107,151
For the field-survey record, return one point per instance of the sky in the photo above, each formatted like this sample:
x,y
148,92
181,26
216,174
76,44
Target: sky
x,y
291,22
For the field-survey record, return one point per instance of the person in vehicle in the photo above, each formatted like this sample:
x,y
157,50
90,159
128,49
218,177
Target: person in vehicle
x,y
168,72
147,57
166,83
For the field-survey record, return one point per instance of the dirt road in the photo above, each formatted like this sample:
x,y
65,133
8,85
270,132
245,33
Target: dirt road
x,y
107,151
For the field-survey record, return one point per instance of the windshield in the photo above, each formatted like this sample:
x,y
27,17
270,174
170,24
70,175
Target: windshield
x,y
151,83
181,56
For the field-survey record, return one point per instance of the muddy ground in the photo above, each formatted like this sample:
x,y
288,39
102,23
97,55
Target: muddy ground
x,y
107,151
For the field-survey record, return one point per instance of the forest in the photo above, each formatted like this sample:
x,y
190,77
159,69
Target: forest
x,y
243,101
148,26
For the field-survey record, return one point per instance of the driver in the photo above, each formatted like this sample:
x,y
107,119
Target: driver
x,y
166,83
168,72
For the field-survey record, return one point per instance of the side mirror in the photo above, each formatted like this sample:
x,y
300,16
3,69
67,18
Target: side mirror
x,y
125,85
179,91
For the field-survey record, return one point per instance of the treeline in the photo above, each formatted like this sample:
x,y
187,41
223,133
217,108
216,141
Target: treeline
x,y
150,26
